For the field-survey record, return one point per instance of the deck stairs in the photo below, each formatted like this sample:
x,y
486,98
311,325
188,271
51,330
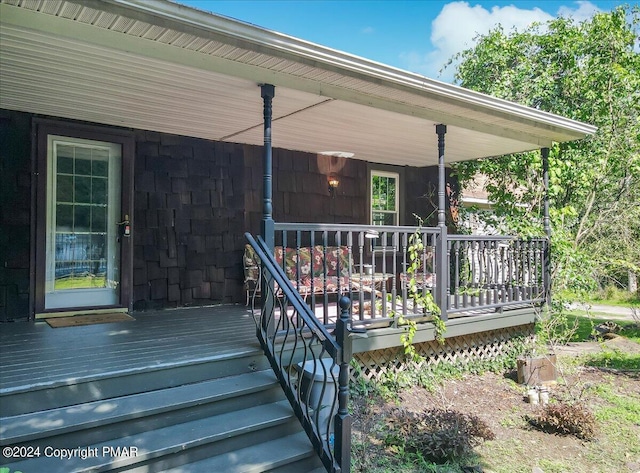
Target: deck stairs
x,y
223,414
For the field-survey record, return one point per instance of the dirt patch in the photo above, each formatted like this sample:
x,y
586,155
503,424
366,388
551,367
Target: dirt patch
x,y
623,344
500,402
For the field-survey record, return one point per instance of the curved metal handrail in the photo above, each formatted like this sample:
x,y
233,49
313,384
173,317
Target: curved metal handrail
x,y
311,365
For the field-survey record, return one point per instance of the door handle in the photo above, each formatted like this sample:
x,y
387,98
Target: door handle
x,y
124,227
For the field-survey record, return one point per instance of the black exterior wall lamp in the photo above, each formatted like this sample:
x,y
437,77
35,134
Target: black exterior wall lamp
x,y
336,161
334,182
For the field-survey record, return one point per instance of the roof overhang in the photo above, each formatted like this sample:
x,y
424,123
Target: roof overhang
x,y
165,67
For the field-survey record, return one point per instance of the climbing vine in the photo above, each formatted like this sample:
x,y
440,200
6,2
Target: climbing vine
x,y
419,298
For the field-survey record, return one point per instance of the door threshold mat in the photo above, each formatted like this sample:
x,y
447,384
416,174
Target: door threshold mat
x,y
78,320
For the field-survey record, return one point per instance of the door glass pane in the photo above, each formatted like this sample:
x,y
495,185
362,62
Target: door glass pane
x,y
82,244
99,191
82,189
65,188
81,218
98,219
82,161
65,165
99,163
64,218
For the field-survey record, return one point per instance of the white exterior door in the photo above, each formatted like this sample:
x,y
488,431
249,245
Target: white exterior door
x,y
82,223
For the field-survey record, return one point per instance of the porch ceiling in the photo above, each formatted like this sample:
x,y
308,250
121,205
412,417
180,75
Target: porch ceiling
x,y
164,67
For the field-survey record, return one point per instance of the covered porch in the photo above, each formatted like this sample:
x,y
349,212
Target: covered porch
x,y
196,103
163,72
39,359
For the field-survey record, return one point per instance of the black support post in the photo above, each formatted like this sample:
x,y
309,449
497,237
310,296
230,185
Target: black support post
x,y
442,260
343,418
267,229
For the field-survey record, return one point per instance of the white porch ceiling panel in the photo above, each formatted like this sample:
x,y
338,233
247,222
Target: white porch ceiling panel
x,y
50,75
372,136
164,67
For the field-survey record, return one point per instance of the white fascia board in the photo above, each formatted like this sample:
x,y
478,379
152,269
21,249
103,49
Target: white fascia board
x,y
323,56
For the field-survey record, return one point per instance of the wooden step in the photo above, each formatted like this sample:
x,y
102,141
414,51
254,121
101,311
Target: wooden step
x,y
291,454
68,391
99,421
169,447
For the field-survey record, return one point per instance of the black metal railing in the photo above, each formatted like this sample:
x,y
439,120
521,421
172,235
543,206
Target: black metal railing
x,y
492,272
311,365
369,264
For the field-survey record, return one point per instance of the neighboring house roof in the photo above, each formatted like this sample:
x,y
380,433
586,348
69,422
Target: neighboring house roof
x,y
166,67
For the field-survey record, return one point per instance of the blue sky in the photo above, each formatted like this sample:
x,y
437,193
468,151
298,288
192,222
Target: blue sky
x,y
418,36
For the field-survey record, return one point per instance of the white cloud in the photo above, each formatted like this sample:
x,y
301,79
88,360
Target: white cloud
x,y
458,23
368,30
584,11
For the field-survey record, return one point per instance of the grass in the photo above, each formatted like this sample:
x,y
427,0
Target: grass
x,y
614,360
501,454
585,324
621,408
630,301
79,282
632,334
554,466
608,296
619,416
513,420
615,296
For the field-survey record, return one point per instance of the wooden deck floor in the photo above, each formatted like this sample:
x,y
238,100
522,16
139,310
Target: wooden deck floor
x,y
34,354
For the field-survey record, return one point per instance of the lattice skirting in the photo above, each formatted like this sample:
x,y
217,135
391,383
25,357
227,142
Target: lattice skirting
x,y
462,349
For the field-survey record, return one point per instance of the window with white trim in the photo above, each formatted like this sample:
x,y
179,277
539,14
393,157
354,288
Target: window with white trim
x,y
385,198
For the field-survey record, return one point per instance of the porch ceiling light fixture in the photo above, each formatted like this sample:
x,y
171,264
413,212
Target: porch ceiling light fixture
x,y
338,154
334,182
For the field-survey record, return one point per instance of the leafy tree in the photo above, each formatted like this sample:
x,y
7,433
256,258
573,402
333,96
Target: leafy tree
x,y
588,71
